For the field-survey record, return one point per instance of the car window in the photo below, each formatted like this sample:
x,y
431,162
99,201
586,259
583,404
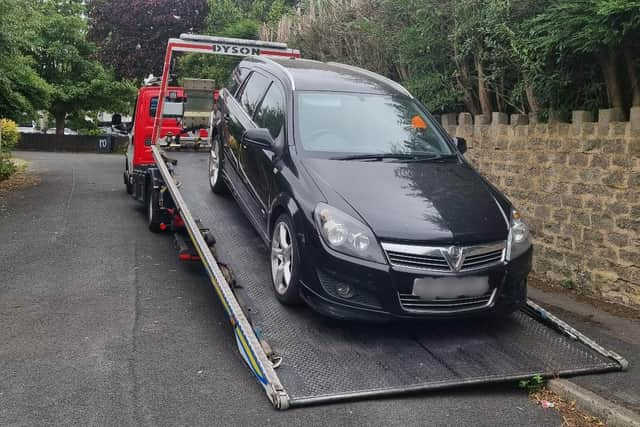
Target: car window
x,y
270,114
252,91
361,123
237,77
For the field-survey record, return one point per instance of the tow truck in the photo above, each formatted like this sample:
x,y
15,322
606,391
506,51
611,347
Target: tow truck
x,y
299,357
179,129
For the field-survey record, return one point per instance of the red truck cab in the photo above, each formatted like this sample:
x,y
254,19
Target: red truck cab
x,y
141,177
139,150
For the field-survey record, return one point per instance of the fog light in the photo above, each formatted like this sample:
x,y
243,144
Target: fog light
x,y
345,290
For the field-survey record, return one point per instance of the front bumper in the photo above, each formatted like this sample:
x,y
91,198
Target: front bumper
x,y
382,292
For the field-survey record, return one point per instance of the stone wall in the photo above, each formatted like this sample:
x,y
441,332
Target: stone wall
x,y
578,186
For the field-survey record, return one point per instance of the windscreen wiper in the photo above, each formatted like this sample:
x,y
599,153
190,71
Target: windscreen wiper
x,y
433,158
376,156
399,156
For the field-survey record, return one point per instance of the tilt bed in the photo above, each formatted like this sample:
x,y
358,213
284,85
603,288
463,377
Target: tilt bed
x,y
300,357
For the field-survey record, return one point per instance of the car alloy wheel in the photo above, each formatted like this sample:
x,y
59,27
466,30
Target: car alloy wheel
x,y
214,165
281,258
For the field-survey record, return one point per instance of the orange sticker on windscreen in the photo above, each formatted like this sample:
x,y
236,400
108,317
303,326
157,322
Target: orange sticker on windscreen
x,y
418,122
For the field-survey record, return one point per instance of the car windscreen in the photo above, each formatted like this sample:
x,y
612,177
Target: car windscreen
x,y
357,123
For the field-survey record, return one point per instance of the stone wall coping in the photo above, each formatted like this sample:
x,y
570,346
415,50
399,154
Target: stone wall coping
x,y
609,123
578,117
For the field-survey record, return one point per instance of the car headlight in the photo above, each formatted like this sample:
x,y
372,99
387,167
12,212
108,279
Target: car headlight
x,y
519,237
346,234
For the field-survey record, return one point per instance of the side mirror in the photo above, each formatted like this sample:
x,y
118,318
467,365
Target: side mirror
x,y
116,119
260,138
461,144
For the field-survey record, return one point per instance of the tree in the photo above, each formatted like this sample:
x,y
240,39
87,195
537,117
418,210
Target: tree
x,y
63,58
229,18
592,29
132,35
217,67
22,91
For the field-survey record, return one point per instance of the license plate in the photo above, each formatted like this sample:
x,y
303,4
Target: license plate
x,y
429,288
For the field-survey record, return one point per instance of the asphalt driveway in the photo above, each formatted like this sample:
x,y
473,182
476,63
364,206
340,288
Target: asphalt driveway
x,y
101,325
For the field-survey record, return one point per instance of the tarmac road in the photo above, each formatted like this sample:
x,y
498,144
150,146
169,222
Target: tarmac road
x,y
100,324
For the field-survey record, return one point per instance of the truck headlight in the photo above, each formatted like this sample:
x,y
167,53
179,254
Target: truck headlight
x,y
519,237
346,234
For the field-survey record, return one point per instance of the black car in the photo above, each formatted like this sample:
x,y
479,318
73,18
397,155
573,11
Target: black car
x,y
367,205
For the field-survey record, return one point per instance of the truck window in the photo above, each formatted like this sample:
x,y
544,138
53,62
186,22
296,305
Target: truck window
x,y
153,104
252,91
270,113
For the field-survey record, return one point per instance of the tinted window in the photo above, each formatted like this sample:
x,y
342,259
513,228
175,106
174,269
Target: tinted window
x,y
252,92
237,77
270,114
366,123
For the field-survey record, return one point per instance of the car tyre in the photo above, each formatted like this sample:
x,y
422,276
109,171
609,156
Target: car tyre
x,y
285,261
216,182
516,300
153,213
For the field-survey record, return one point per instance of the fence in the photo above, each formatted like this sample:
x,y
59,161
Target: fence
x,y
74,143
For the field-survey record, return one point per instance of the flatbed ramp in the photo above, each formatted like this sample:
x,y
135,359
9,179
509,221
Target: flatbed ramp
x,y
325,360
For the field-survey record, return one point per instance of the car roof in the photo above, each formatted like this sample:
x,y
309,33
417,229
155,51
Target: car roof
x,y
305,74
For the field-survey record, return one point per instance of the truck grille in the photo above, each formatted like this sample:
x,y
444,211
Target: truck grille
x,y
411,302
444,258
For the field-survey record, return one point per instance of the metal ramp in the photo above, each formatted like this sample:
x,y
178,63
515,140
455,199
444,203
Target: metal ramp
x,y
325,360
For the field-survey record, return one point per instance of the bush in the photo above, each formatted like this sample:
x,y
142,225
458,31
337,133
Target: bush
x,y
7,168
10,134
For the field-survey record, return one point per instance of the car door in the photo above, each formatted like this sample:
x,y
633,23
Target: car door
x,y
257,162
238,118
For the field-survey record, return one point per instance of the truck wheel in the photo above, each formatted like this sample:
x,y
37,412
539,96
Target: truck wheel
x,y
215,167
285,261
153,212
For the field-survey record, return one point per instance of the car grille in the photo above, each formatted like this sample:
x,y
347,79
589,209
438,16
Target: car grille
x,y
411,302
436,258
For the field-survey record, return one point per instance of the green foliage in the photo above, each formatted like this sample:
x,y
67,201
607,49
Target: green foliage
x,y
46,62
64,59
79,122
573,50
227,19
7,168
533,384
9,134
22,91
514,56
568,282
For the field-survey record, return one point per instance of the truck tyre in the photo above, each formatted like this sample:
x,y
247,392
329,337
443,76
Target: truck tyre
x,y
216,158
285,261
153,211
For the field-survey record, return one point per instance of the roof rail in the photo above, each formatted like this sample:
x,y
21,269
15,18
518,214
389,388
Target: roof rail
x,y
282,67
376,76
